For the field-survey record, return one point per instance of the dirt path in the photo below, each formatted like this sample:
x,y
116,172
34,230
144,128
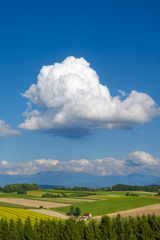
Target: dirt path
x,y
137,211
33,203
49,213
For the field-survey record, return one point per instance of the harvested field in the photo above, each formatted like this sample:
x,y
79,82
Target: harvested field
x,y
137,211
144,192
33,203
50,213
112,195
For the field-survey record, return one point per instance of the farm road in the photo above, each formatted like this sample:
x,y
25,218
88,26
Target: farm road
x,y
136,211
49,213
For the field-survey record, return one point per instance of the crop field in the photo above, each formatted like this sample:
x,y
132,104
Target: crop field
x,y
113,204
15,213
68,200
69,194
101,203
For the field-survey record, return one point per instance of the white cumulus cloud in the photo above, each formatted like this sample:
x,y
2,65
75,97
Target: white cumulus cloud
x,y
6,131
143,159
71,102
137,162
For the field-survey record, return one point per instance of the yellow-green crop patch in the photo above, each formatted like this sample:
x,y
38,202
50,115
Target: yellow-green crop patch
x,y
15,213
36,193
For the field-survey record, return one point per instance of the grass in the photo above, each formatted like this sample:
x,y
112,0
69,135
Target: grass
x,y
123,193
15,195
111,205
11,205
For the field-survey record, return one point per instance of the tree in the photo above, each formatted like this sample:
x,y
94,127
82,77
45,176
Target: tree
x,y
119,227
109,189
21,191
28,230
71,209
77,211
106,228
92,231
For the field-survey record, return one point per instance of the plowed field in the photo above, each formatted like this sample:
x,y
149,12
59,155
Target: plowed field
x,y
33,203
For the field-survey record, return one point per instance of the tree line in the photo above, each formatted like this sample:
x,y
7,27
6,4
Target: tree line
x,y
19,188
76,188
117,187
131,228
49,195
123,187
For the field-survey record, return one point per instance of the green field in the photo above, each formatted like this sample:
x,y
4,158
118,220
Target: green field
x,y
11,205
123,193
111,205
15,195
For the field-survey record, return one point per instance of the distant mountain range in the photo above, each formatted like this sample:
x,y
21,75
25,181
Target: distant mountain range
x,y
71,179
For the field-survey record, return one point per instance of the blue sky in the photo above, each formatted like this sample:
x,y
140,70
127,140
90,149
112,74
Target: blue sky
x,y
120,40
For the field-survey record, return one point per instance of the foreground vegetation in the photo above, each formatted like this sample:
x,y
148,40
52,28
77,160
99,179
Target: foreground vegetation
x,y
17,223
145,227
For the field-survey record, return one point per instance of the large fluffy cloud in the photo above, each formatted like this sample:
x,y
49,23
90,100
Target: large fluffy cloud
x,y
137,162
72,102
6,131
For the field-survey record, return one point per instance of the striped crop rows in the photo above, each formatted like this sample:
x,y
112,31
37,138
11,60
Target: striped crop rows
x,y
15,213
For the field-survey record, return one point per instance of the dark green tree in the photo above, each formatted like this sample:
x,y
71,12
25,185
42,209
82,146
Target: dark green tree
x,y
92,231
29,234
20,228
106,228
71,209
4,229
77,211
71,230
119,227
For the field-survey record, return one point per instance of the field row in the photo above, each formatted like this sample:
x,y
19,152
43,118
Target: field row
x,y
15,213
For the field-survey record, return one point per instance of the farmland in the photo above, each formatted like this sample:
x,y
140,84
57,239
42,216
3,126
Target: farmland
x,y
112,204
98,202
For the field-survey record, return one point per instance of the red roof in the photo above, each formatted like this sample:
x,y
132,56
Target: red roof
x,y
86,215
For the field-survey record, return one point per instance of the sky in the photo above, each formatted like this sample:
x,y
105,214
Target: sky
x,y
80,86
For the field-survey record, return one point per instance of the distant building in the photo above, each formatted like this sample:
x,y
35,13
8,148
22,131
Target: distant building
x,y
85,216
